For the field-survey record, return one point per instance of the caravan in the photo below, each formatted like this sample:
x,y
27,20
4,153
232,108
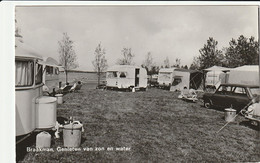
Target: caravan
x,y
190,79
33,110
126,77
51,74
165,77
28,87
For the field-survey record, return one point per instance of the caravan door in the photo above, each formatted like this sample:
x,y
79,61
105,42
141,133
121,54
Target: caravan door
x,y
137,76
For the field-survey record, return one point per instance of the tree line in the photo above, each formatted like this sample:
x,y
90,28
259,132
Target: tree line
x,y
243,51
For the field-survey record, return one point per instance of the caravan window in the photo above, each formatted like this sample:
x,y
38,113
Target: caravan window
x,y
122,75
111,74
176,81
24,73
38,76
49,70
165,75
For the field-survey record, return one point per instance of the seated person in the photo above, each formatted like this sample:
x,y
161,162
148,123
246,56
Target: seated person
x,y
254,109
186,93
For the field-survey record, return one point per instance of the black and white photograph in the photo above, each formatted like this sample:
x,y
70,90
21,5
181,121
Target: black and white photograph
x,y
156,82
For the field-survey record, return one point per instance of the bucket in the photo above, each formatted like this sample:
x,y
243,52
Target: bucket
x,y
230,115
43,140
133,90
59,98
72,134
46,111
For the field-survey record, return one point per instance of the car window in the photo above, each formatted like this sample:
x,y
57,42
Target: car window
x,y
224,90
240,91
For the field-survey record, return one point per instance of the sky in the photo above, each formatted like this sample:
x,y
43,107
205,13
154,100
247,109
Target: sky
x,y
165,31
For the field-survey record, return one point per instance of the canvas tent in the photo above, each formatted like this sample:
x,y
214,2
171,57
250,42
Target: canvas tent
x,y
216,75
186,78
248,74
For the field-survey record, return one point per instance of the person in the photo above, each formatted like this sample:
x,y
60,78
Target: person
x,y
188,94
254,108
185,92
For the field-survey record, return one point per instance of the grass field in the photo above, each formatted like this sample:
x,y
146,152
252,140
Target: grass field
x,y
155,125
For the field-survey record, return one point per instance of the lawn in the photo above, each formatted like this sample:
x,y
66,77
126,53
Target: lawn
x,y
152,126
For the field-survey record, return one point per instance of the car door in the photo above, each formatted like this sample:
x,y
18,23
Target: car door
x,y
239,97
219,98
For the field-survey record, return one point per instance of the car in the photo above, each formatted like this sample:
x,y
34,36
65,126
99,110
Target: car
x,y
236,96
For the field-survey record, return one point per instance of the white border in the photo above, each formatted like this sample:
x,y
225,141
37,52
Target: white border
x,y
7,44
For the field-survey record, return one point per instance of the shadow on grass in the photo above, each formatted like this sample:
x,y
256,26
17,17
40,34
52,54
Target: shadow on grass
x,y
21,148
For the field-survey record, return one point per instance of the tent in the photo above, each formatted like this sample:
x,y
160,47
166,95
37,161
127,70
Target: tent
x,y
186,78
215,75
217,68
248,74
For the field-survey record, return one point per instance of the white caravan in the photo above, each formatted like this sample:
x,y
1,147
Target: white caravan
x,y
126,77
32,109
248,74
28,87
190,79
165,77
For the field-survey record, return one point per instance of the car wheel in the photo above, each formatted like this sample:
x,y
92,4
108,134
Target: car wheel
x,y
207,104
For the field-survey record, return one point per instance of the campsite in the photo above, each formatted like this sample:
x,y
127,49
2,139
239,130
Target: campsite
x,y
138,87
155,125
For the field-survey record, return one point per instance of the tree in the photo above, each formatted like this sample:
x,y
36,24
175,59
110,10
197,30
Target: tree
x,y
18,35
244,51
177,63
210,55
148,63
127,57
184,67
68,58
100,62
195,65
166,63
154,70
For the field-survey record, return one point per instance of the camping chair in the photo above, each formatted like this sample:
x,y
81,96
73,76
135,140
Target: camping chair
x,y
76,87
65,90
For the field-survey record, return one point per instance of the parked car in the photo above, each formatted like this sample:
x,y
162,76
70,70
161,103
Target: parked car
x,y
236,96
